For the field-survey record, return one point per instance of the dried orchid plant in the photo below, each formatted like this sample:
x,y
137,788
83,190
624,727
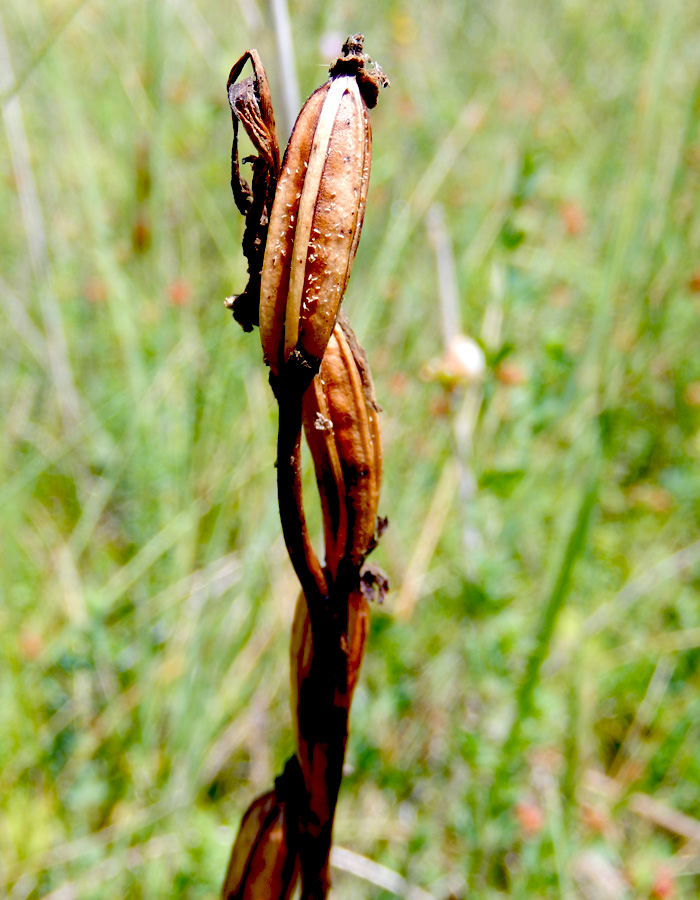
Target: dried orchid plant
x,y
302,226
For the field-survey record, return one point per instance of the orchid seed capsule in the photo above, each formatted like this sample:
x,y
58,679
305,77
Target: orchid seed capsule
x,y
340,417
317,217
261,864
301,658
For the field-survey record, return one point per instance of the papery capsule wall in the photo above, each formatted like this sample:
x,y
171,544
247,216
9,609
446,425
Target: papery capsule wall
x,y
315,223
263,865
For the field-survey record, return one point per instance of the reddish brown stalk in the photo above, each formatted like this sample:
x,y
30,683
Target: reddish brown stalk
x,y
301,234
325,663
289,496
323,697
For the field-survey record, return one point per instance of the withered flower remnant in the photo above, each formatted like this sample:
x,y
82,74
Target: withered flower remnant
x,y
251,105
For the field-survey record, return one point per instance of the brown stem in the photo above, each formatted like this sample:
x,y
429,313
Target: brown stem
x,y
323,726
291,504
317,692
324,699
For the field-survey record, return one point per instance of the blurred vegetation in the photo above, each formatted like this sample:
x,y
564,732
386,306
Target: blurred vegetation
x,y
527,721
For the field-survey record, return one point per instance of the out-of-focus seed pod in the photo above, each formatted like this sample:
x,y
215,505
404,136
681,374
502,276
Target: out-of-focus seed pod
x,y
316,219
262,866
340,404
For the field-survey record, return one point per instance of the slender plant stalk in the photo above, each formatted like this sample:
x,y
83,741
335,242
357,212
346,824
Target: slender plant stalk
x,y
303,223
291,503
285,50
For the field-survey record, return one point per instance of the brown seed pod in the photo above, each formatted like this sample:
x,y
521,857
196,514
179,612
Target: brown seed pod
x,y
261,865
318,427
315,223
312,760
347,452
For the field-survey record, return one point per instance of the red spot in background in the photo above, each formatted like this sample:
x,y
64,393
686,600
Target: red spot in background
x,y
31,644
511,374
664,887
95,290
530,818
399,384
595,818
179,292
573,217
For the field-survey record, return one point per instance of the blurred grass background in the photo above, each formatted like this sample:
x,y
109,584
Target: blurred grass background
x,y
527,720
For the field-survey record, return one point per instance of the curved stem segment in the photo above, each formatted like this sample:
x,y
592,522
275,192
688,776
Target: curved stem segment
x,y
291,504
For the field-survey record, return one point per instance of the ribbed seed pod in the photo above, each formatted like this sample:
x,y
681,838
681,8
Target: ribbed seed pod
x,y
301,655
342,430
318,427
315,223
261,866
